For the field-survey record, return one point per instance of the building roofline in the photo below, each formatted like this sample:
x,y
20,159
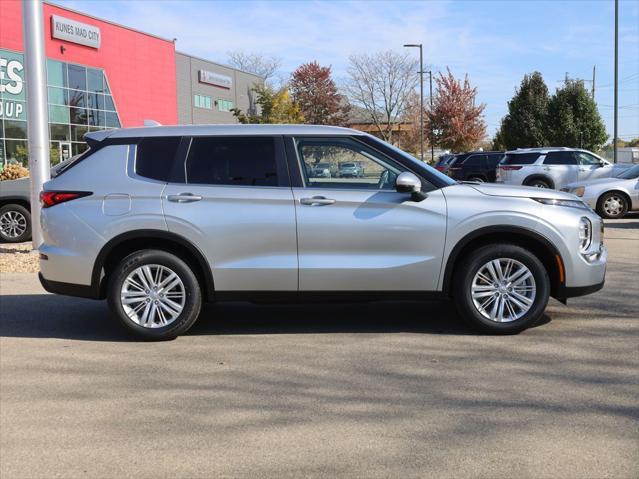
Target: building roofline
x,y
218,64
78,12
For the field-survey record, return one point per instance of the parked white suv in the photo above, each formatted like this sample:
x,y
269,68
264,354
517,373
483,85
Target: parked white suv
x,y
553,167
158,220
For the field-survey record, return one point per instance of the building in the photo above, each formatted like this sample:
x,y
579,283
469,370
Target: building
x,y
104,75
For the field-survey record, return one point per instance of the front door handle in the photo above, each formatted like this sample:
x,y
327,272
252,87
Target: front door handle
x,y
184,198
317,201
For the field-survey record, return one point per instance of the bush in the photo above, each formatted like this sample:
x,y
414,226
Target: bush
x,y
13,172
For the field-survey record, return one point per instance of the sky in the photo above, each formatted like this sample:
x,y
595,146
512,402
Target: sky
x,y
494,42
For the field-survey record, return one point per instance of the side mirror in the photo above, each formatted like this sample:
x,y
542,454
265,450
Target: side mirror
x,y
407,182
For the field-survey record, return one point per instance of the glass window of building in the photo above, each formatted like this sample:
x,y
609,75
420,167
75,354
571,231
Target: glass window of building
x,y
224,105
79,101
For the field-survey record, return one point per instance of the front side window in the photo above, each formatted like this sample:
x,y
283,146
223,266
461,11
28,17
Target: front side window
x,y
345,163
560,158
244,161
587,159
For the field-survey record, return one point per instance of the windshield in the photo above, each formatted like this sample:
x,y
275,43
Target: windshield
x,y
630,173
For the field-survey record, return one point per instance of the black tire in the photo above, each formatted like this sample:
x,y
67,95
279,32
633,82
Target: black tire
x,y
617,197
478,179
192,300
21,213
538,183
462,285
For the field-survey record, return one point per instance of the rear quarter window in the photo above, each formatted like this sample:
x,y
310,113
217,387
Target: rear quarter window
x,y
520,158
156,158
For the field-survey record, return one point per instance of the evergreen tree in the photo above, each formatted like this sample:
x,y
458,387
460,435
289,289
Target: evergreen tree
x,y
525,124
573,119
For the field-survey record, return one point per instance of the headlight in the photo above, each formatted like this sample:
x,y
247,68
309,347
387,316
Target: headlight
x,y
585,234
570,203
579,191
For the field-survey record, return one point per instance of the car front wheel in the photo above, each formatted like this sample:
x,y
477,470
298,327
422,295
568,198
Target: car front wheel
x,y
501,288
154,295
612,206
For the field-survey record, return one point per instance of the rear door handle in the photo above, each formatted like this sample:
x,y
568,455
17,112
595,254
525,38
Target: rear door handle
x,y
184,198
317,201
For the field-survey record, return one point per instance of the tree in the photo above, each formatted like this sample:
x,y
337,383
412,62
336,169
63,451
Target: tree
x,y
381,83
314,90
525,124
256,63
457,123
573,119
276,106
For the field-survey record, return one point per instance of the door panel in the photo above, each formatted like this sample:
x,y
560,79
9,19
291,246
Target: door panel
x,y
247,234
590,167
369,240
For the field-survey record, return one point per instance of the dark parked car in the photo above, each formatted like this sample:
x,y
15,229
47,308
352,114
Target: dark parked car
x,y
475,166
443,161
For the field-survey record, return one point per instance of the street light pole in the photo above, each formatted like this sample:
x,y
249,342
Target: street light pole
x,y
614,140
432,139
37,109
421,95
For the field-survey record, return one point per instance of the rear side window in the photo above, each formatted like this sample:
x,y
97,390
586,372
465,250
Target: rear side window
x,y
475,161
520,159
560,158
232,161
155,157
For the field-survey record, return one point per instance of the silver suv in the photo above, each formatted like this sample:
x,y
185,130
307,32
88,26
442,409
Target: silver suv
x,y
553,167
157,220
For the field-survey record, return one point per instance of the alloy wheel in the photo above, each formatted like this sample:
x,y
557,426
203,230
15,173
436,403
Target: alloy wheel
x,y
503,290
153,296
13,224
614,205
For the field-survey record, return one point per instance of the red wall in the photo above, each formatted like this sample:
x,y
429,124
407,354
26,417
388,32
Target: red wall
x,y
140,68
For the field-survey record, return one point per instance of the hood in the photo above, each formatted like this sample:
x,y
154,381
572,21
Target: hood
x,y
492,189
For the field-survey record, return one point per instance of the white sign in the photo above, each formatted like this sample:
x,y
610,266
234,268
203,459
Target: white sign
x,y
75,32
11,87
215,79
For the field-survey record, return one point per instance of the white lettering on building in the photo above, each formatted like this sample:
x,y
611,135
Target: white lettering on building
x,y
9,70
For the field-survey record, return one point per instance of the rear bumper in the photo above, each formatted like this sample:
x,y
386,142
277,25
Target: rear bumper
x,y
68,289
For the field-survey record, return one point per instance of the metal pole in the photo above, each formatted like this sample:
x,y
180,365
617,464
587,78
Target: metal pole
x,y
594,74
614,141
37,109
432,137
421,101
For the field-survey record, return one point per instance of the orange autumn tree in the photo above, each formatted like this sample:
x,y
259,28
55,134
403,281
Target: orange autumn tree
x,y
458,124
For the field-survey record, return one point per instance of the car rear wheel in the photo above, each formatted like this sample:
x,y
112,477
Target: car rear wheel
x,y
502,288
15,224
612,206
155,295
478,179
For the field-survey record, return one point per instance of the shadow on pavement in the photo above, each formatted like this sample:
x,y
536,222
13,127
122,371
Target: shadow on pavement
x,y
48,316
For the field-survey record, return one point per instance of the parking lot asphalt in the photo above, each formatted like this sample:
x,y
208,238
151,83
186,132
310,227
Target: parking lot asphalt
x,y
359,390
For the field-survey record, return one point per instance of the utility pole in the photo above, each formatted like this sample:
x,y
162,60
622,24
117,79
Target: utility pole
x,y
594,72
421,95
37,108
614,141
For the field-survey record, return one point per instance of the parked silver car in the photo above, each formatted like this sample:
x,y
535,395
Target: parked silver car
x,y
15,208
158,220
611,197
553,167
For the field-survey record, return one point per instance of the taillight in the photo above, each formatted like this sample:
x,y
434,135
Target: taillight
x,y
509,167
440,168
52,198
